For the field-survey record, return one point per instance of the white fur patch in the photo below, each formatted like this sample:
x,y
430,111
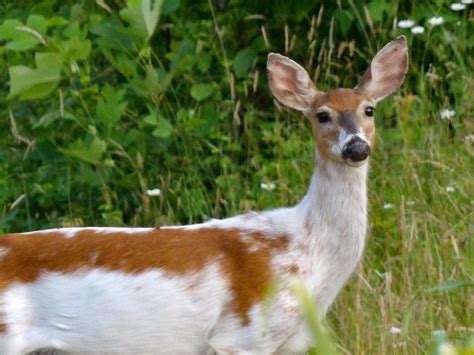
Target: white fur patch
x,y
71,232
104,311
4,251
345,138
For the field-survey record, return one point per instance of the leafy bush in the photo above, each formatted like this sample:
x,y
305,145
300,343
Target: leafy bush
x,y
103,101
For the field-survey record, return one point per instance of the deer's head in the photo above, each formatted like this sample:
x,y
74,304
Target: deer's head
x,y
342,119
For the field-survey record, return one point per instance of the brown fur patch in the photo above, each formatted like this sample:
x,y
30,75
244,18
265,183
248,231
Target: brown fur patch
x,y
294,269
343,100
3,328
369,131
324,139
177,251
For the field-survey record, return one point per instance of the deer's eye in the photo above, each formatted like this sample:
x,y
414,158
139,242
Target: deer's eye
x,y
323,117
369,111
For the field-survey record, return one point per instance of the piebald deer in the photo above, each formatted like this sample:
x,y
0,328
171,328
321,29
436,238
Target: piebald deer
x,y
201,288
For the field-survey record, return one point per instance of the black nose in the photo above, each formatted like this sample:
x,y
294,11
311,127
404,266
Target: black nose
x,y
356,150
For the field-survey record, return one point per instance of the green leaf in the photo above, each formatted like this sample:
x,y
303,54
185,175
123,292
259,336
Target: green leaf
x,y
142,16
169,6
151,119
200,92
243,61
151,14
124,64
56,21
180,53
113,36
76,49
17,40
319,331
90,153
376,10
344,20
203,61
28,83
37,23
163,128
111,107
88,176
451,286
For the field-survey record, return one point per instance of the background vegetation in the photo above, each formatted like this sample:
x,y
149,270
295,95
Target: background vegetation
x,y
103,101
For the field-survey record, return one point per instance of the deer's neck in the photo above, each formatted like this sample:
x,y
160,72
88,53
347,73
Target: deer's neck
x,y
334,213
337,196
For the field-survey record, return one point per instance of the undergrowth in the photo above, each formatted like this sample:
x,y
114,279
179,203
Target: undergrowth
x,y
154,113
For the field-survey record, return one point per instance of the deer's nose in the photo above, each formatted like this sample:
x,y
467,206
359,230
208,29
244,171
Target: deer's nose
x,y
356,150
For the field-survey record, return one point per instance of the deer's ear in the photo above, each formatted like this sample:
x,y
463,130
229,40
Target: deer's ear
x,y
386,72
290,83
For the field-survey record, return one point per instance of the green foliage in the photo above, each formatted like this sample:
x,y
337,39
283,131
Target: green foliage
x,y
20,37
201,91
102,101
37,83
319,332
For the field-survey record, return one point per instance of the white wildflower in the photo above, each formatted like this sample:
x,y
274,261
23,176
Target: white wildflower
x,y
406,23
417,30
447,114
450,188
153,192
467,2
447,349
469,138
436,20
457,6
388,206
410,203
395,330
269,187
433,76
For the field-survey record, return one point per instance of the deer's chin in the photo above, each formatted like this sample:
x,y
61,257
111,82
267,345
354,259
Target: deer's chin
x,y
355,164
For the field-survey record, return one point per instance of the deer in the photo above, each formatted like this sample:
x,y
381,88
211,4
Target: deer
x,y
201,288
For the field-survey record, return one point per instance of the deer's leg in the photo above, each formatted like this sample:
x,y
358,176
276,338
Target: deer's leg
x,y
264,333
298,343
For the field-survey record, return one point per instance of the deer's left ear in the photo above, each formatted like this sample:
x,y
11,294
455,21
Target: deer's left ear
x,y
386,72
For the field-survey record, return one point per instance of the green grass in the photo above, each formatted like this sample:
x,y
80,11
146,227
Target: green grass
x,y
190,113
423,241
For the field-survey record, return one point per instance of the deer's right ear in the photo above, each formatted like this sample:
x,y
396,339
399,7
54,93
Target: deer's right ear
x,y
290,83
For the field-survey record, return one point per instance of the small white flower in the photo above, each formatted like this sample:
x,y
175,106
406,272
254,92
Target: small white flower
x,y
433,76
410,202
447,349
395,330
436,20
457,6
153,192
269,187
450,188
406,23
438,332
447,114
417,30
469,138
388,206
467,2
